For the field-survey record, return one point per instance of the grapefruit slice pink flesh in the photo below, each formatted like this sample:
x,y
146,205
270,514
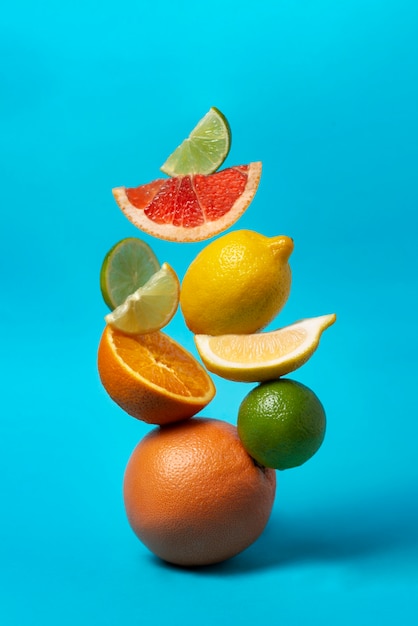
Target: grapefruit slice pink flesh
x,y
192,207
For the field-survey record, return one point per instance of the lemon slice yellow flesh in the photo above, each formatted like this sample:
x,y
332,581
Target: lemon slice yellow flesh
x,y
262,356
150,307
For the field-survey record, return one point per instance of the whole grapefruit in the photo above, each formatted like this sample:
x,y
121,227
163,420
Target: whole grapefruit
x,y
193,495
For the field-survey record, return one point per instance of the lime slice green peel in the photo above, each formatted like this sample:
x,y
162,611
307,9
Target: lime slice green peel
x,y
126,267
205,149
151,306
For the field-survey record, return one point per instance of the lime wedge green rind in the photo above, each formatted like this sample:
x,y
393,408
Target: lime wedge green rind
x,y
128,265
204,151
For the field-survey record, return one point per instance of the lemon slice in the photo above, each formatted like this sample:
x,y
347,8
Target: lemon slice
x,y
205,149
150,307
262,356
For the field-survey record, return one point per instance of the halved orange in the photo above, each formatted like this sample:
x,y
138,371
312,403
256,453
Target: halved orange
x,y
152,377
191,207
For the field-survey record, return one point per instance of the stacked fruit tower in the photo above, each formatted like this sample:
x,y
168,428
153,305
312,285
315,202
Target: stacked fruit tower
x,y
198,490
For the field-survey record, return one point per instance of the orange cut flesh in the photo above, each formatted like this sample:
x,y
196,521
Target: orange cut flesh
x,y
157,359
190,208
152,377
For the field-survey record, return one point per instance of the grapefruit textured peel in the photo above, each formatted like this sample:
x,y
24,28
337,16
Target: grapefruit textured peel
x,y
263,356
193,207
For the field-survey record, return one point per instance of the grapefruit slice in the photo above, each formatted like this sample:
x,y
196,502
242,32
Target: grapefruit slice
x,y
192,207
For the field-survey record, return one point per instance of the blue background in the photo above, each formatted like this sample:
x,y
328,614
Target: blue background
x,y
96,95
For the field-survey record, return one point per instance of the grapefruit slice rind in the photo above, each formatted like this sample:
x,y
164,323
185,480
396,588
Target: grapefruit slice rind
x,y
193,207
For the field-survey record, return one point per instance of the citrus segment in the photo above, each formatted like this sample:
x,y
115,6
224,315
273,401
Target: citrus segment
x,y
204,150
150,307
262,356
193,495
152,377
126,267
193,207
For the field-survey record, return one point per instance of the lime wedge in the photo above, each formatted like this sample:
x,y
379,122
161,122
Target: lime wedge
x,y
150,307
126,267
204,150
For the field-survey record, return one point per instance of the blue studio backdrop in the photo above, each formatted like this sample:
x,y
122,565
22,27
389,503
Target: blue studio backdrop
x,y
97,94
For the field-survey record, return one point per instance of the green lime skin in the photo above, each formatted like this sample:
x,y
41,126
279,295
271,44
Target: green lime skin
x,y
128,265
281,423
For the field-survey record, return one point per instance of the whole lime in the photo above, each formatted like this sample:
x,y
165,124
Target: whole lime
x,y
281,423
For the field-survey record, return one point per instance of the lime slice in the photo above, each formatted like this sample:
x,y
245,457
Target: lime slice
x,y
126,267
204,150
151,307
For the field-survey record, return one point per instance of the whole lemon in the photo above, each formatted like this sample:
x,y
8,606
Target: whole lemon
x,y
237,284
